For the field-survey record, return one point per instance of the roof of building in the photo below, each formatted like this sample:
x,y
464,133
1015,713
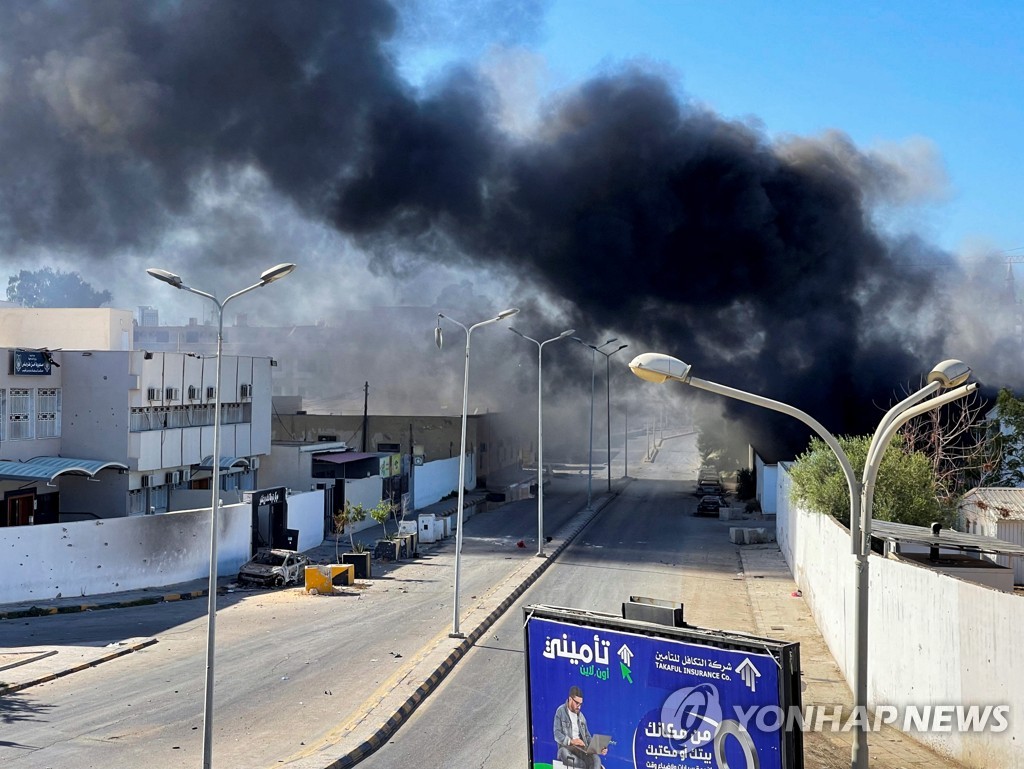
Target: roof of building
x,y
226,463
947,538
1006,504
48,468
344,457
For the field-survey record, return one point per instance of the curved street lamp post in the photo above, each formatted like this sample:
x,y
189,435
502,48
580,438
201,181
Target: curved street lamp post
x,y
438,340
948,375
268,276
540,428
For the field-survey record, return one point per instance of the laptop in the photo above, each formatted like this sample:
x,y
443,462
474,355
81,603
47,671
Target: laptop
x,y
598,742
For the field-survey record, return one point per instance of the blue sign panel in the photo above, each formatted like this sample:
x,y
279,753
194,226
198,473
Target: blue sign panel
x,y
31,363
665,703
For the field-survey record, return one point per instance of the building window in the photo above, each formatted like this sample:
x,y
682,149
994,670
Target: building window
x,y
20,418
145,418
48,412
3,415
137,502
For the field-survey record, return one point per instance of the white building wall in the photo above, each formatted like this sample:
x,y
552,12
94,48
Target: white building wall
x,y
1011,531
98,328
769,501
933,639
363,491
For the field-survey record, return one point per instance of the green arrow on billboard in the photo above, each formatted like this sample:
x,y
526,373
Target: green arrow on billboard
x,y
625,672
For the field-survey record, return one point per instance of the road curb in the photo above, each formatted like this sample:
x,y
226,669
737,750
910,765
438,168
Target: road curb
x,y
392,724
46,611
114,654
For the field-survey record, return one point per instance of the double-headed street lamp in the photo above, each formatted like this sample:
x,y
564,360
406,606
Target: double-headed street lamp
x,y
949,375
438,339
540,428
594,349
268,276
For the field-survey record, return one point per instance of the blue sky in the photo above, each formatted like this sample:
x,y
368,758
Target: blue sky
x,y
883,73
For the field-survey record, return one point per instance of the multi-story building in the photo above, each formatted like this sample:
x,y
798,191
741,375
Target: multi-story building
x,y
90,428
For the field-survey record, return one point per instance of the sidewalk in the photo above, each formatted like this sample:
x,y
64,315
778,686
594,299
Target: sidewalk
x,y
781,612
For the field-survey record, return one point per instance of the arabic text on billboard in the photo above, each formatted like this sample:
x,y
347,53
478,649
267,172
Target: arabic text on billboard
x,y
666,704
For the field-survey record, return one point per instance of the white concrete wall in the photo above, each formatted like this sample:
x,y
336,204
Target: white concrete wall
x,y
435,480
933,639
87,558
365,492
111,555
306,513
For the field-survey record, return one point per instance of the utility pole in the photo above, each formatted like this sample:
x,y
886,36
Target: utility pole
x,y
366,418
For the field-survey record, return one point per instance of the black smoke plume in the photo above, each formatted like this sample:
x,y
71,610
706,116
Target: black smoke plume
x,y
650,217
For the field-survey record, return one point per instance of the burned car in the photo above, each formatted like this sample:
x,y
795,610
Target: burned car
x,y
275,568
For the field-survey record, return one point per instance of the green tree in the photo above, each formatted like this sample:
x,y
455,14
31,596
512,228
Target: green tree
x,y
1004,464
53,288
905,490
381,512
347,516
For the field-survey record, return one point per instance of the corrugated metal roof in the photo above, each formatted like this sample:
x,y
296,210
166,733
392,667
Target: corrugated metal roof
x,y
903,532
994,503
48,468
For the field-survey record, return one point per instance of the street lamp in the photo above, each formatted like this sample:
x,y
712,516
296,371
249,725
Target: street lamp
x,y
540,429
590,461
269,276
438,340
948,375
608,396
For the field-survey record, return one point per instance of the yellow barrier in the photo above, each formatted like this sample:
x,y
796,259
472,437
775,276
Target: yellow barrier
x,y
322,579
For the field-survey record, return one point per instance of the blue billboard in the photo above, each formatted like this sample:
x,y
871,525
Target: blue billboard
x,y
664,697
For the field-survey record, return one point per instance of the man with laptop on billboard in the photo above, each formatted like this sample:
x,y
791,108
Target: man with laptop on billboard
x,y
576,746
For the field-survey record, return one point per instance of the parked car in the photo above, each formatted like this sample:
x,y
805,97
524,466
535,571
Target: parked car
x,y
708,487
710,505
274,567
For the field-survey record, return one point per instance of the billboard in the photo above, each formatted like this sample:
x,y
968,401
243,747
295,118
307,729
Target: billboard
x,y
667,697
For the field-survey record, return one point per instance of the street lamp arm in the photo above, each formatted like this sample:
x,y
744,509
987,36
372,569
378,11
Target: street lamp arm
x,y
885,435
246,290
894,412
784,408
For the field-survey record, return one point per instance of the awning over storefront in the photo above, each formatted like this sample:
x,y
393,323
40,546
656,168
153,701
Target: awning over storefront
x,y
48,468
344,457
226,463
349,464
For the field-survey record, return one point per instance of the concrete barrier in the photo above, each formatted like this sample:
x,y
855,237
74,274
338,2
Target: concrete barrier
x,y
750,536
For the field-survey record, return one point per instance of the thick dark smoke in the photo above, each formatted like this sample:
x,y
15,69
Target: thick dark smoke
x,y
758,263
658,220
